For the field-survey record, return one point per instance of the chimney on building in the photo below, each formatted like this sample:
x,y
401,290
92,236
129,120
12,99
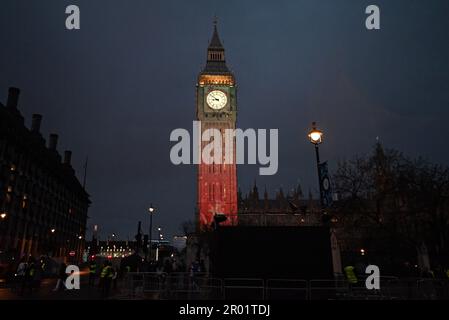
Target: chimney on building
x,y
13,97
53,141
36,123
67,157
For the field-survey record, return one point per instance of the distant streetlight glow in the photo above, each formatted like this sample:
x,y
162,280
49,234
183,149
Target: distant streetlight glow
x,y
3,216
315,135
53,230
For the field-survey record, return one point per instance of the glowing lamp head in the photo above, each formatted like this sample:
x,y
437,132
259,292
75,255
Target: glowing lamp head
x,y
315,135
151,209
3,216
53,230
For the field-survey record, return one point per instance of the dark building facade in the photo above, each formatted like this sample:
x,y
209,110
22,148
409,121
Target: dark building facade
x,y
43,206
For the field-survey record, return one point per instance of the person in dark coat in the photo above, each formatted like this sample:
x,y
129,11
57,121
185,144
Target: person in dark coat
x,y
62,276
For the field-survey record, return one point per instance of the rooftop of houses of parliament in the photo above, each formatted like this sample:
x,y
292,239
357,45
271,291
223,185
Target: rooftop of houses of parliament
x,y
292,202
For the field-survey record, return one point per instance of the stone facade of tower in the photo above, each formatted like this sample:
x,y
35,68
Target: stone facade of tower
x,y
216,108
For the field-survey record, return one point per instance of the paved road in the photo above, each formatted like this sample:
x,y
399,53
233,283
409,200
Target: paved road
x,y
45,292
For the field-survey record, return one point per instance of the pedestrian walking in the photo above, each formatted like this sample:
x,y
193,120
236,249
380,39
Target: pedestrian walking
x,y
114,278
106,279
20,274
92,272
28,281
62,276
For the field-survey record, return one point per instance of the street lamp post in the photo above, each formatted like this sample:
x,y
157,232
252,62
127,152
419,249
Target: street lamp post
x,y
3,217
316,137
151,209
53,241
159,229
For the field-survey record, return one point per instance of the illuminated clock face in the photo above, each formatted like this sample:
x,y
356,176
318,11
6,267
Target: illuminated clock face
x,y
217,99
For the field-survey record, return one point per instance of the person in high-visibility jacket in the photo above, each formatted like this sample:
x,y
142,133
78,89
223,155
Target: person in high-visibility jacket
x,y
350,275
29,276
106,278
92,272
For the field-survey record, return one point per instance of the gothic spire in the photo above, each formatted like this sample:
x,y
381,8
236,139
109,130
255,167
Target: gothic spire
x,y
215,42
216,62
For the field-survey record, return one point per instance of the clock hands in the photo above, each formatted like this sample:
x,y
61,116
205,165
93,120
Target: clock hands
x,y
214,97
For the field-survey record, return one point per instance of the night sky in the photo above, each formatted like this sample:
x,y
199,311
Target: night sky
x,y
115,89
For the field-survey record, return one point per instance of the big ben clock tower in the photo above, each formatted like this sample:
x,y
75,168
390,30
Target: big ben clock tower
x,y
216,108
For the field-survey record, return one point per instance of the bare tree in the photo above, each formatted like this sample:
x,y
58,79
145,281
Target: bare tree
x,y
394,204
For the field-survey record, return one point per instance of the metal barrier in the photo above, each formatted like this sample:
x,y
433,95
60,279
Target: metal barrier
x,y
243,289
359,291
328,289
187,286
341,289
433,289
144,284
286,289
193,286
153,285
